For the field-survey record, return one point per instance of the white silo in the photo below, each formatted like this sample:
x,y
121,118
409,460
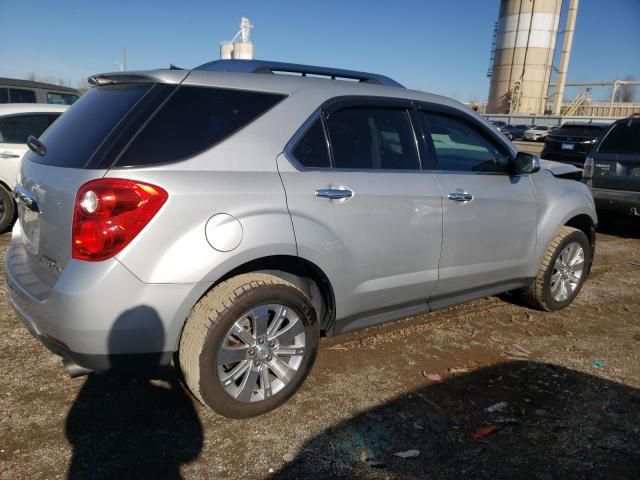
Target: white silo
x,y
523,59
240,47
226,50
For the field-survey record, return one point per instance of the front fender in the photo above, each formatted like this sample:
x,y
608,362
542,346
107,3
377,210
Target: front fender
x,y
559,201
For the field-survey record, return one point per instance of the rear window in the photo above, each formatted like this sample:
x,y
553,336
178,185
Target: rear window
x,y
192,120
75,136
623,139
580,131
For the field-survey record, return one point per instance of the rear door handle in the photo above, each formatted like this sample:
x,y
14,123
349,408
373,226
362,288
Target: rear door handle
x,y
334,193
8,155
460,197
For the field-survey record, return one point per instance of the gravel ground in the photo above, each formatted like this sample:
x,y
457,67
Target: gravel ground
x,y
570,383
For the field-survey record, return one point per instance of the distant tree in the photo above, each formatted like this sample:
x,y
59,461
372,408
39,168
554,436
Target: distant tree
x,y
34,77
626,93
83,86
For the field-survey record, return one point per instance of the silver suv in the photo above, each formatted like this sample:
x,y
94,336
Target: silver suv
x,y
226,217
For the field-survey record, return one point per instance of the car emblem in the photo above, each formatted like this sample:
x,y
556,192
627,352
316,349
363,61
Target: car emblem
x,y
49,263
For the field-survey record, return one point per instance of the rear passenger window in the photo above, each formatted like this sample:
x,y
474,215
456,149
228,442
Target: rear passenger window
x,y
311,150
16,129
372,138
460,147
192,120
623,139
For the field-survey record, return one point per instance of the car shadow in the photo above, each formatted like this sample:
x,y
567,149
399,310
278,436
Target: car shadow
x,y
554,423
128,425
624,226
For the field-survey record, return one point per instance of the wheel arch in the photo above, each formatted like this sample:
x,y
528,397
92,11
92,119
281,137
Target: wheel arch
x,y
586,225
304,274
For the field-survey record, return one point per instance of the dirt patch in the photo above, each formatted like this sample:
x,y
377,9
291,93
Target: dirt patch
x,y
570,381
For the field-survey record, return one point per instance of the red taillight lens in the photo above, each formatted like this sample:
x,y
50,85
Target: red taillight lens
x,y
109,213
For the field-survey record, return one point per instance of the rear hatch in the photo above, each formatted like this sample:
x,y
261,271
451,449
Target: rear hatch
x,y
616,164
80,146
573,139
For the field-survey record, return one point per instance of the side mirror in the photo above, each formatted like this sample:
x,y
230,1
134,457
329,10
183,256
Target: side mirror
x,y
525,163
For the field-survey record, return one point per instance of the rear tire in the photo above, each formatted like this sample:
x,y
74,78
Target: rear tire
x,y
248,345
7,209
562,272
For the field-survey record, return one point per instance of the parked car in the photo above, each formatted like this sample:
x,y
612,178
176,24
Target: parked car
x,y
612,169
515,132
498,124
14,90
572,141
536,133
231,217
17,122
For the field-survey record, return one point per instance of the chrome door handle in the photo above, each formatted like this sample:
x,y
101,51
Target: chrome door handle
x,y
460,197
334,193
8,155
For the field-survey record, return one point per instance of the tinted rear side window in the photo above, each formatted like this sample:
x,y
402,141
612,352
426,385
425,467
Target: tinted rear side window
x,y
74,137
624,139
311,150
373,138
192,120
17,128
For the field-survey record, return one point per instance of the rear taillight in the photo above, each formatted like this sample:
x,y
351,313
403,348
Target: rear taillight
x,y
587,170
109,213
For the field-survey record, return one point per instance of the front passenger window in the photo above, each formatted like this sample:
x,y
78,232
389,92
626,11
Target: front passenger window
x,y
460,147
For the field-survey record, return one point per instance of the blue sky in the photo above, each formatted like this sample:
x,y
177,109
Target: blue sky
x,y
437,46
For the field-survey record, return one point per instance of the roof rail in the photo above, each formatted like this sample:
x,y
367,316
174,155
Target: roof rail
x,y
264,66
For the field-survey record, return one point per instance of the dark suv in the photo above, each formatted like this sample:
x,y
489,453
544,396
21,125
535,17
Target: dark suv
x,y
612,169
572,142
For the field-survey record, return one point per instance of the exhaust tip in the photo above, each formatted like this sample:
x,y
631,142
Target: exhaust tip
x,y
74,370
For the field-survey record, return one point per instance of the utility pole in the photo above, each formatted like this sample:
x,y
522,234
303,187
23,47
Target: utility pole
x,y
564,57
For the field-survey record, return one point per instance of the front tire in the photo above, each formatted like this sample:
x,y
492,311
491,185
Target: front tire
x,y
248,345
564,268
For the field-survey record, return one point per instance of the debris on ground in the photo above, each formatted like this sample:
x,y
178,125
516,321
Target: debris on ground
x,y
498,407
417,426
407,454
370,459
597,363
482,432
434,377
456,371
518,351
288,457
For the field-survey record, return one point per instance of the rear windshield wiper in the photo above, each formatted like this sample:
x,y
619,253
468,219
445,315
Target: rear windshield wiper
x,y
36,146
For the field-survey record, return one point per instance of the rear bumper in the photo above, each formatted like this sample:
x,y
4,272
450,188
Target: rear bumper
x,y
98,314
617,200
